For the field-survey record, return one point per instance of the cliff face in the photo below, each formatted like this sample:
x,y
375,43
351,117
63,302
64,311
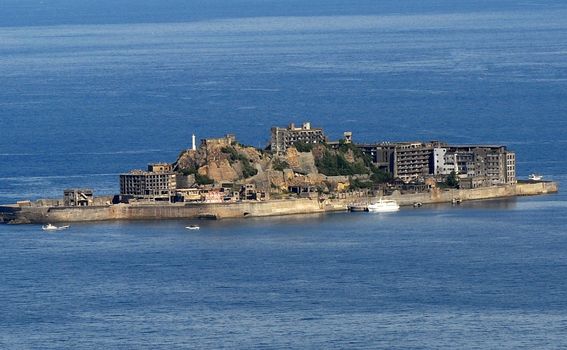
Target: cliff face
x,y
224,160
301,162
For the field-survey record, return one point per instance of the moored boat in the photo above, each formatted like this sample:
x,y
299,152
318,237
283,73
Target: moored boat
x,y
535,177
50,227
384,205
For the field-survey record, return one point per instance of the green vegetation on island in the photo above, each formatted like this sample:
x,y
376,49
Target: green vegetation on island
x,y
326,167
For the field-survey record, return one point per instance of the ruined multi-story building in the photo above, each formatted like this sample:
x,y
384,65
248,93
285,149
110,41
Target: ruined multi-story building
x,y
160,167
408,161
158,183
77,197
227,140
283,138
476,165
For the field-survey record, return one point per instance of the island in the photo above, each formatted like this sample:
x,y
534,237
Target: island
x,y
299,172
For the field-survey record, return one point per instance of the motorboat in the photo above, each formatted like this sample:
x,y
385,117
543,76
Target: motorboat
x,y
50,227
535,177
384,205
192,227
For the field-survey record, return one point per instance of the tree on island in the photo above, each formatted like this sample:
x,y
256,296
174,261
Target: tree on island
x,y
452,180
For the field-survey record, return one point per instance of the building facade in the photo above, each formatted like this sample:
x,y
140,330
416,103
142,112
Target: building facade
x,y
78,197
481,165
486,165
160,168
227,140
408,161
156,184
284,138
511,167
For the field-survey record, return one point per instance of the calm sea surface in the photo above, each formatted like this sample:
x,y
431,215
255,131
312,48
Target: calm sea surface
x,y
90,91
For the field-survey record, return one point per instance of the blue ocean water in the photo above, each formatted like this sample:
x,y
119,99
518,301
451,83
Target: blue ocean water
x,y
92,90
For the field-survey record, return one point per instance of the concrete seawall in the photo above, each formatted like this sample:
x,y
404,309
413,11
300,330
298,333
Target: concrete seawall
x,y
161,211
45,214
218,210
448,195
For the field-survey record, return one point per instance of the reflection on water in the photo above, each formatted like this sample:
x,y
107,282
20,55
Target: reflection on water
x,y
492,204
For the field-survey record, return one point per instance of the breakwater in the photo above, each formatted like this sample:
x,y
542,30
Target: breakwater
x,y
55,214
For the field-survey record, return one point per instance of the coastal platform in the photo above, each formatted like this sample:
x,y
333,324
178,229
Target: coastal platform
x,y
42,214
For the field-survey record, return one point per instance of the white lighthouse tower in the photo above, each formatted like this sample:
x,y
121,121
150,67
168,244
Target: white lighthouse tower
x,y
193,147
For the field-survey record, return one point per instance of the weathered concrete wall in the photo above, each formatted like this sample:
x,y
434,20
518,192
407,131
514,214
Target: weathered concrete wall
x,y
253,209
220,210
71,214
165,211
444,196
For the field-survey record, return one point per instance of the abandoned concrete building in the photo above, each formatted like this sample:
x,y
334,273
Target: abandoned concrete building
x,y
77,197
476,165
152,185
160,168
408,161
227,140
283,138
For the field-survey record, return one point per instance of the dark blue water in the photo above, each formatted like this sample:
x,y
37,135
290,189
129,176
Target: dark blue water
x,y
92,90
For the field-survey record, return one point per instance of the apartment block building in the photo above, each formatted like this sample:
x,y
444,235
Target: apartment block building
x,y
408,161
487,165
156,184
283,138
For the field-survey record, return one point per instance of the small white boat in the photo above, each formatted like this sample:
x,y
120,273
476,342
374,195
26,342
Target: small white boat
x,y
192,227
384,205
535,177
50,227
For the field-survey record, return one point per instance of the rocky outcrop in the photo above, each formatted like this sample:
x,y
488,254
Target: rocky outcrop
x,y
220,171
301,162
224,160
221,161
